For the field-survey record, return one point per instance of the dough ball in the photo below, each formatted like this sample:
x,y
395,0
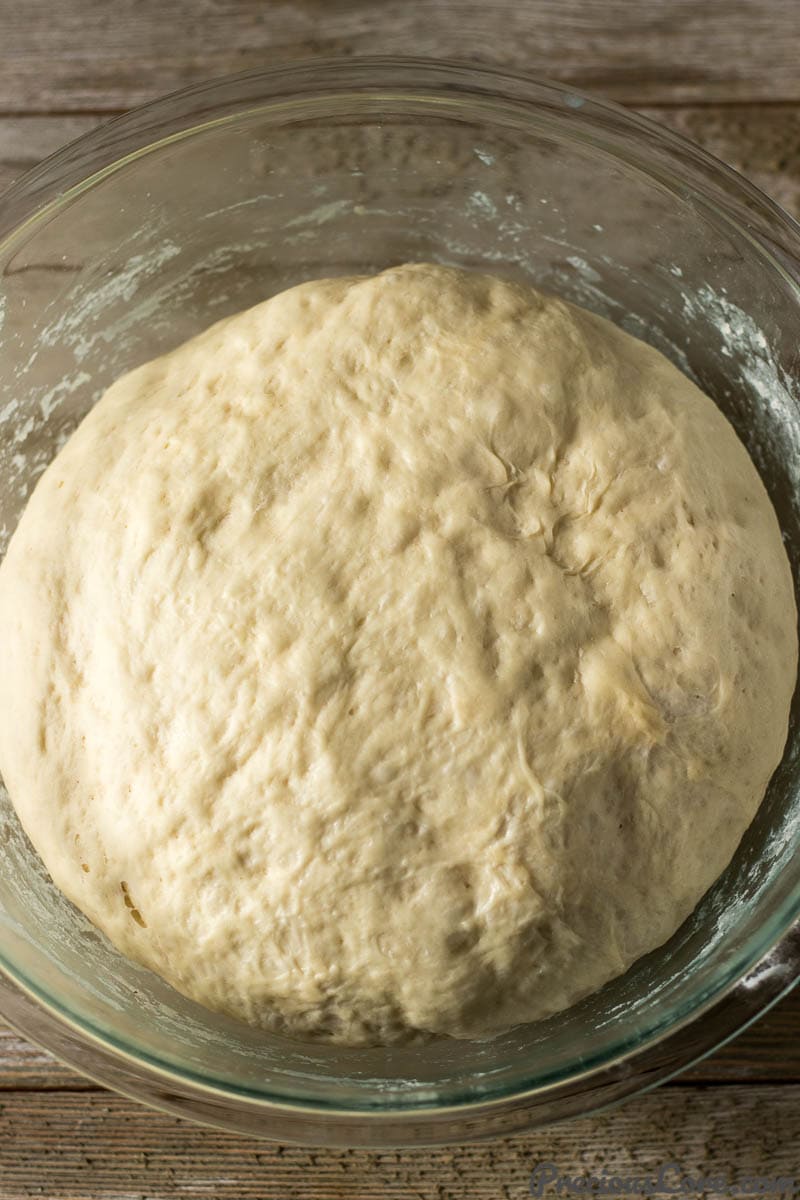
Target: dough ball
x,y
406,655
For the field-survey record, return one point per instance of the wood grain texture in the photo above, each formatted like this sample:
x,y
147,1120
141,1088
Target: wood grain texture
x,y
26,140
760,141
24,1066
91,54
99,1146
723,72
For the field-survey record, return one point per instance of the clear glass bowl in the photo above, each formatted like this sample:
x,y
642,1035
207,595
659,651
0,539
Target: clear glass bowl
x,y
145,231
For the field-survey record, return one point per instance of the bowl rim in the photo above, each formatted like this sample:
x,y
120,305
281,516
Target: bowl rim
x,y
290,1120
62,177
72,160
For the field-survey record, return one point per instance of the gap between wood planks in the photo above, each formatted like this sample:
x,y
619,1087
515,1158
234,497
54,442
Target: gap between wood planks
x,y
653,106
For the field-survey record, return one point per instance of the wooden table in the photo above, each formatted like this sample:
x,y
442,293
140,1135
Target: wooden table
x,y
726,74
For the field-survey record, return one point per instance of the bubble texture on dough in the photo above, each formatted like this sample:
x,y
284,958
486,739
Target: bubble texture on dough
x,y
405,655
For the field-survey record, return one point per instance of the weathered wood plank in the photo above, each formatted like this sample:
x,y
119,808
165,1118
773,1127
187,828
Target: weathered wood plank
x,y
88,54
96,1145
762,141
26,140
24,1066
84,58
768,1052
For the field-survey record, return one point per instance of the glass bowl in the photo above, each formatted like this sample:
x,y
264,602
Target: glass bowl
x,y
150,228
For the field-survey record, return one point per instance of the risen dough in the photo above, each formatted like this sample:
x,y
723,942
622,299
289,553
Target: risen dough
x,y
405,654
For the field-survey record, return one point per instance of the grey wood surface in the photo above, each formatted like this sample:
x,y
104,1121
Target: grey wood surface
x,y
96,1145
723,72
95,54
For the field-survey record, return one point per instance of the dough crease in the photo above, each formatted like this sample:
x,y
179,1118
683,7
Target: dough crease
x,y
405,655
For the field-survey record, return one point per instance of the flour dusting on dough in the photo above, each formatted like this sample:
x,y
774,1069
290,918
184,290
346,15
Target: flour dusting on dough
x,y
403,656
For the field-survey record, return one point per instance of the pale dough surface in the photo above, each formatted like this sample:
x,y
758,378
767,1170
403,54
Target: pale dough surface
x,y
407,653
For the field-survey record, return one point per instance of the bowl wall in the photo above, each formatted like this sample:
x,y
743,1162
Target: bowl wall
x,y
202,209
